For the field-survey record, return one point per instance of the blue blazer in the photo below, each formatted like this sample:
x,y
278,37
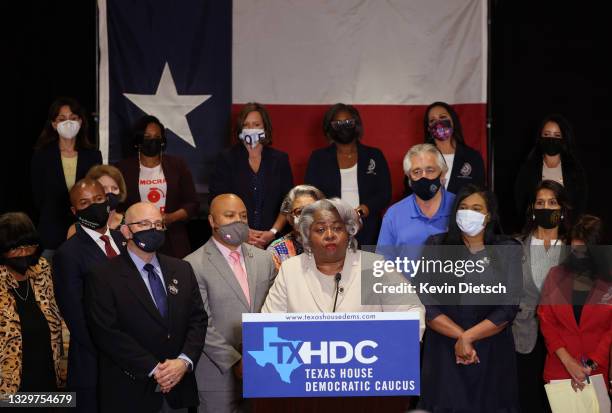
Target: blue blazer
x,y
72,262
373,180
50,193
233,174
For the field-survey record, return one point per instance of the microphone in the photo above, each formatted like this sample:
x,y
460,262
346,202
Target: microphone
x,y
337,278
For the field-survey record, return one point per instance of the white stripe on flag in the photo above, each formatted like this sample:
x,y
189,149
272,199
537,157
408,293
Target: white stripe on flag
x,y
359,51
103,85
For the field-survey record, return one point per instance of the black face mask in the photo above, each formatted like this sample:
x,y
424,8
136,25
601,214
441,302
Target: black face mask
x,y
149,240
21,264
426,188
550,146
580,264
95,216
345,134
113,201
547,218
151,147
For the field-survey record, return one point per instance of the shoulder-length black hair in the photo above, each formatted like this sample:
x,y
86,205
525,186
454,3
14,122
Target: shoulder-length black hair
x,y
16,230
565,225
139,127
49,135
492,228
254,107
341,107
457,129
568,157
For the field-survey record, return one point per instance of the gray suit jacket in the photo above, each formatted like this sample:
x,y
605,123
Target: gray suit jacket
x,y
525,326
225,303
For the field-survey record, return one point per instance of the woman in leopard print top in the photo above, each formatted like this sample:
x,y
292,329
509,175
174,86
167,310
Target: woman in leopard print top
x,y
28,313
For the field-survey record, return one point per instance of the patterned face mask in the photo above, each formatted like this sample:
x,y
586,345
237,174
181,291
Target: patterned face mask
x,y
442,129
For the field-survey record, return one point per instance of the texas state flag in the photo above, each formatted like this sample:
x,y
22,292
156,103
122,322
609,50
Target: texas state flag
x,y
194,63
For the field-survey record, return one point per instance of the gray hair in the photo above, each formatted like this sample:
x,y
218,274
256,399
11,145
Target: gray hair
x,y
422,148
298,191
344,210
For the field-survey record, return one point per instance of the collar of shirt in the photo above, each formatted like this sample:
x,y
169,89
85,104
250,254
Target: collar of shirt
x,y
444,210
140,265
225,251
95,235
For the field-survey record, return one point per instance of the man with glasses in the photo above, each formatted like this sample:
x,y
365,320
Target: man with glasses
x,y
147,320
426,212
93,243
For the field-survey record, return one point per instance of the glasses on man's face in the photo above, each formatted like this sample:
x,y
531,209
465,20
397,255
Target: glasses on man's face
x,y
146,224
420,172
346,123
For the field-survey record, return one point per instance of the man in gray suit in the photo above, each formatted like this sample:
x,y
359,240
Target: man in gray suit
x,y
234,278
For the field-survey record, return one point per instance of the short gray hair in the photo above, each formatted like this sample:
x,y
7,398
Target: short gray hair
x,y
344,210
298,191
420,149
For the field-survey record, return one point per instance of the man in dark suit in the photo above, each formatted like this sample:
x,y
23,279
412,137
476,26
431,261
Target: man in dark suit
x,y
92,244
148,321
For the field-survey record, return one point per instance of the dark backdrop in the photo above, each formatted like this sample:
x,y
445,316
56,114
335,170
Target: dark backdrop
x,y
550,57
546,57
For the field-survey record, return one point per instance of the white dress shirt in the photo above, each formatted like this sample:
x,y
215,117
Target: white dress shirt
x,y
95,235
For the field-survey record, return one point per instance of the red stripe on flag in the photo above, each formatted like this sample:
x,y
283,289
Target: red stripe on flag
x,y
297,130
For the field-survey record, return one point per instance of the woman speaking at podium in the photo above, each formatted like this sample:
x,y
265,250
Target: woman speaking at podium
x,y
328,277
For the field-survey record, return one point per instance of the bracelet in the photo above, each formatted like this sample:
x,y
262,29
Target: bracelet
x,y
273,230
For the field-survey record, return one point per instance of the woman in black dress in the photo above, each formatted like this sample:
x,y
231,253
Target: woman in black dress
x,y
31,348
259,174
468,351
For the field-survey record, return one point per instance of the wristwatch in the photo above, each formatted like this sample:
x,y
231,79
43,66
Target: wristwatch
x,y
273,230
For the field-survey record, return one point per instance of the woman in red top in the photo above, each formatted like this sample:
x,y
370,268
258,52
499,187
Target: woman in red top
x,y
575,309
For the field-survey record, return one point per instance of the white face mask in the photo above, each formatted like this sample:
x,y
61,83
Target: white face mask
x,y
470,222
68,129
252,136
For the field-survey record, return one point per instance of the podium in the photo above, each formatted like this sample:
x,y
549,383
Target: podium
x,y
330,354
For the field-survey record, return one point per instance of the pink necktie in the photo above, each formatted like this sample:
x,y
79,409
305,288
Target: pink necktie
x,y
240,274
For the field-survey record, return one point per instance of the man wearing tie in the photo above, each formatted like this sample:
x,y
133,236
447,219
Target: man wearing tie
x,y
234,278
94,243
147,319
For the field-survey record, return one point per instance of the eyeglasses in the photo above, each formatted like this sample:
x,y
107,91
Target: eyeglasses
x,y
346,123
429,171
146,224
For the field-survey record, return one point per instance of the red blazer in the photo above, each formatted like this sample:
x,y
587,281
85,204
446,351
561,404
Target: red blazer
x,y
592,338
180,194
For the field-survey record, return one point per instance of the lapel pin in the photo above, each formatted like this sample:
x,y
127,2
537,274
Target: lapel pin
x,y
173,290
174,281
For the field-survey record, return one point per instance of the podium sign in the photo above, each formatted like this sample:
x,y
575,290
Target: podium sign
x,y
330,354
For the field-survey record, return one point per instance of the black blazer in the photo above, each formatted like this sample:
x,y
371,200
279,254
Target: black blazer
x,y
373,180
468,168
72,261
180,193
50,193
232,174
132,337
530,175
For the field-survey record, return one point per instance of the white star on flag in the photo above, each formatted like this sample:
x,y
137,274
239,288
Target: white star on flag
x,y
169,107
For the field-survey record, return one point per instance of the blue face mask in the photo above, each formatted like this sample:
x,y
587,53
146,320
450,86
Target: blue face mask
x,y
149,240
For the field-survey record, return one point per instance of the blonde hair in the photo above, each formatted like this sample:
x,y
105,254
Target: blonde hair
x,y
98,171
